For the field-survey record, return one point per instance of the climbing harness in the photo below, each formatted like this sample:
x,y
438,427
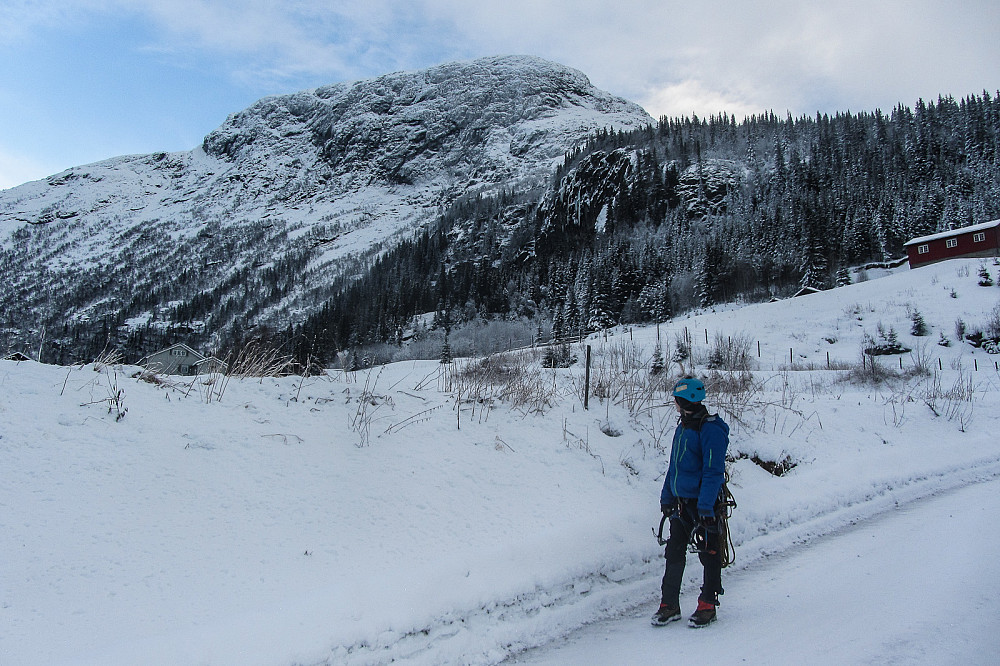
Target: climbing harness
x,y
698,539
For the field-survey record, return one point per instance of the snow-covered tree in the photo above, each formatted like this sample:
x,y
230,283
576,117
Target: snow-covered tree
x,y
985,279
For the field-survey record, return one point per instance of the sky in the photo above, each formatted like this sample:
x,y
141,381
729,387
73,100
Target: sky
x,y
86,80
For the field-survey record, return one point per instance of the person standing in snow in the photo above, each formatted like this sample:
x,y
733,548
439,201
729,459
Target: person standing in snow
x,y
694,478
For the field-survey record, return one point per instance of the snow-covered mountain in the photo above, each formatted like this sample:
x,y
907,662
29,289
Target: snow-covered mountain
x,y
285,194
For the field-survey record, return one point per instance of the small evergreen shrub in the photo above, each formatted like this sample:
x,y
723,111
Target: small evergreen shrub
x,y
656,367
985,280
887,344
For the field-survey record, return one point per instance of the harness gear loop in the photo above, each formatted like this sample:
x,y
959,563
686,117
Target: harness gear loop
x,y
659,535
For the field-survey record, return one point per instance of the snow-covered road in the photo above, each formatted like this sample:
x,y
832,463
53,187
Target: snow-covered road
x,y
916,585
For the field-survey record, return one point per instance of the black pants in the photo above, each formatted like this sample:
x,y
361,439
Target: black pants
x,y
682,524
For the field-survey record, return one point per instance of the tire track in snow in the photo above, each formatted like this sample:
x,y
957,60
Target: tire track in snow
x,y
495,632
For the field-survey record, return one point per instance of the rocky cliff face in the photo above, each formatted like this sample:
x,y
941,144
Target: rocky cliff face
x,y
303,185
483,121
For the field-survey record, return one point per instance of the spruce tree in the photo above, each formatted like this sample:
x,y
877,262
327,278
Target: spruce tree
x,y
985,280
601,316
707,284
843,277
559,325
656,366
446,350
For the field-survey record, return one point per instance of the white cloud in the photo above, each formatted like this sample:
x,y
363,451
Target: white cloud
x,y
693,97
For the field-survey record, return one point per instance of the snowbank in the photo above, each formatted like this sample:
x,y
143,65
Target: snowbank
x,y
362,518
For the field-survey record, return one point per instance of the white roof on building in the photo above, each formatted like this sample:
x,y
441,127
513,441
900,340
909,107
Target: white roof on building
x,y
948,234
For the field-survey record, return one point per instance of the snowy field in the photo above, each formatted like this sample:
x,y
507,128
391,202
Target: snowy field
x,y
409,513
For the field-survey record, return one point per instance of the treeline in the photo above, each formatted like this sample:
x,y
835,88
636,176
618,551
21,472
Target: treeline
x,y
689,212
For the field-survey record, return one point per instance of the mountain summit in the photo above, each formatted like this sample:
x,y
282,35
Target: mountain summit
x,y
487,120
250,226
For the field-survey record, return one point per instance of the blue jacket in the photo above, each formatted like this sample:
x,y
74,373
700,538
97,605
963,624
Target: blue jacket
x,y
697,464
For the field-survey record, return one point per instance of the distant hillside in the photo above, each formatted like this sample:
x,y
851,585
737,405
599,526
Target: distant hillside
x,y
636,226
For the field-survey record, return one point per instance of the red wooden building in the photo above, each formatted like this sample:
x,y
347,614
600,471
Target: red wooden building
x,y
978,240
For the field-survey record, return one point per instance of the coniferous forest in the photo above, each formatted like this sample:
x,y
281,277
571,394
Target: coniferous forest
x,y
636,227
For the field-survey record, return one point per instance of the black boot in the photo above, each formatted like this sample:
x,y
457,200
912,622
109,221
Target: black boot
x,y
665,615
704,616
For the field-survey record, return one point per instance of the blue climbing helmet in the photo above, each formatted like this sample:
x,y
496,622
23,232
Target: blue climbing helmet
x,y
691,389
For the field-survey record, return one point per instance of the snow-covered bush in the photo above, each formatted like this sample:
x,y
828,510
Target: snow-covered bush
x,y
992,328
512,378
985,280
558,356
921,358
960,328
730,353
682,350
888,343
955,403
872,371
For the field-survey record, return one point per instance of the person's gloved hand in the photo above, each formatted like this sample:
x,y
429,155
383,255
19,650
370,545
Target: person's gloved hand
x,y
707,526
669,508
709,523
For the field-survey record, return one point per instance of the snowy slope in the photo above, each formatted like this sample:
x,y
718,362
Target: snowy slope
x,y
360,519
